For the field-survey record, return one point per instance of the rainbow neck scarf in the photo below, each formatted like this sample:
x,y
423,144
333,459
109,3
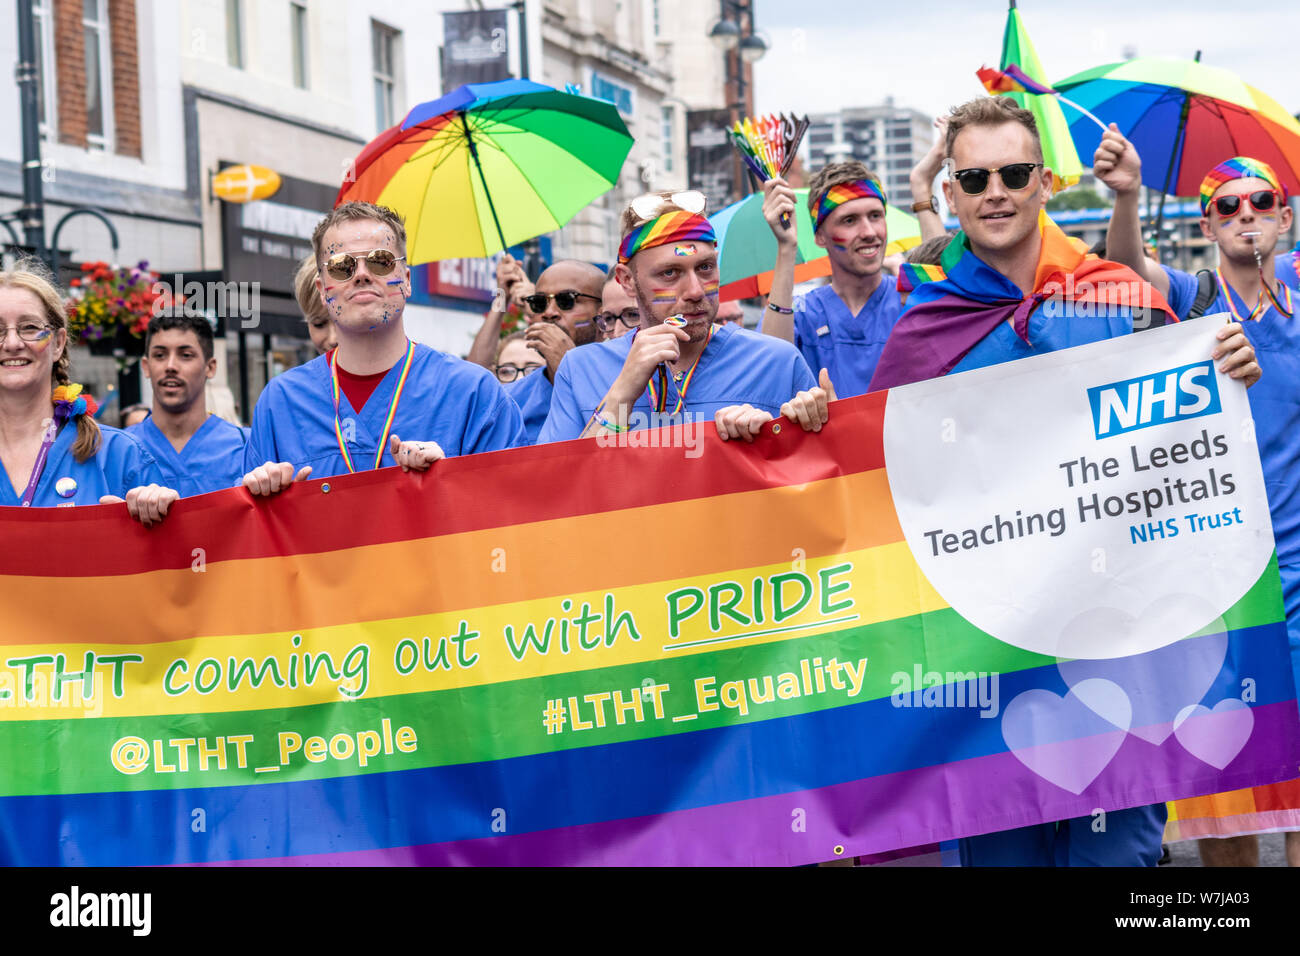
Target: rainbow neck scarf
x,y
947,317
388,419
845,192
1239,167
675,226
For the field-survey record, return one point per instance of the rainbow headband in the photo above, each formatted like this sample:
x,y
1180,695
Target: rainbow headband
x,y
1239,167
675,226
839,195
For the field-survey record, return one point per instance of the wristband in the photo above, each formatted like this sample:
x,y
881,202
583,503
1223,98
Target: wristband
x,y
603,422
777,308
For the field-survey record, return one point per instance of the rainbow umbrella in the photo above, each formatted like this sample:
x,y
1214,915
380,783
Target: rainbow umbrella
x,y
1184,118
490,165
1053,130
747,248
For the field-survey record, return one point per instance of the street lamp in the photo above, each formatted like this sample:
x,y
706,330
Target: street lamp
x,y
725,34
752,48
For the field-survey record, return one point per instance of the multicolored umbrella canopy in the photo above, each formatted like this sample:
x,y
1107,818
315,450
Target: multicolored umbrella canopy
x,y
1053,130
491,165
747,248
1184,118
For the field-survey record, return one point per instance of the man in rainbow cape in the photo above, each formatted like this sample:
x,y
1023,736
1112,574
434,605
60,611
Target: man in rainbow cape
x,y
678,362
1015,286
1243,212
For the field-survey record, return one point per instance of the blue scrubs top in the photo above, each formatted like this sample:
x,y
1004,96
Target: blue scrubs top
x,y
532,394
1275,406
848,346
1049,331
212,460
1284,267
447,400
120,465
737,367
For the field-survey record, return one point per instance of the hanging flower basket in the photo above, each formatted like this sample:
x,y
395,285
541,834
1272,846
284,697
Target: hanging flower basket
x,y
109,308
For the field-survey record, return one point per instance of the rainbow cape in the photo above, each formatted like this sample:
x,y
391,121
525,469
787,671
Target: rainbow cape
x,y
946,318
389,668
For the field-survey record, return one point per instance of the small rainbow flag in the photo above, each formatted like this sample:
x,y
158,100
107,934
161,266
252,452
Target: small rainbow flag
x,y
1012,79
913,274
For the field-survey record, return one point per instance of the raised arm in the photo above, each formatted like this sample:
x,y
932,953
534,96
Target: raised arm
x,y
779,200
1117,164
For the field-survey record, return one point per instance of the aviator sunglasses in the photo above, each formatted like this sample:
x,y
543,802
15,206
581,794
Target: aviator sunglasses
x,y
1263,200
1014,176
379,263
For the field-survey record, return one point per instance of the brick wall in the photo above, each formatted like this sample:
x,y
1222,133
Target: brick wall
x,y
126,76
70,67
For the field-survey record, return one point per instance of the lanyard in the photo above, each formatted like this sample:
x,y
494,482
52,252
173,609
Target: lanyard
x,y
392,407
1261,304
51,432
659,399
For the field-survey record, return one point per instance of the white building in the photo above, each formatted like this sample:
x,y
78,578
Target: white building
x,y
890,139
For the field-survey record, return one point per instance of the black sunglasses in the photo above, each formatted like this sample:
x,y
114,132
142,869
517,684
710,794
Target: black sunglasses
x,y
1263,201
565,300
606,321
1014,176
379,263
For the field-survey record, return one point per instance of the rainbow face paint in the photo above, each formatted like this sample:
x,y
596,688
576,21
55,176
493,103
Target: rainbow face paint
x,y
711,289
664,296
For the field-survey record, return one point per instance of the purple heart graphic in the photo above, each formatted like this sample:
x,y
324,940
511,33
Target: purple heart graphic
x,y
1159,683
1215,736
1068,740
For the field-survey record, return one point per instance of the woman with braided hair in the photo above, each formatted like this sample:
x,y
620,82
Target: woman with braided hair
x,y
52,450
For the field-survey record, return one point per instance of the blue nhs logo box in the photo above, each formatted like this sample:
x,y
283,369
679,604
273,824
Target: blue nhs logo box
x,y
1173,395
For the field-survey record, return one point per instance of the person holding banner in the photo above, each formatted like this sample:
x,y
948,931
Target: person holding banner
x,y
197,452
346,410
1014,285
1243,211
678,361
55,454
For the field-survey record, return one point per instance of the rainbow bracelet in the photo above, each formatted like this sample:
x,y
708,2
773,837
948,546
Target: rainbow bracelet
x,y
604,422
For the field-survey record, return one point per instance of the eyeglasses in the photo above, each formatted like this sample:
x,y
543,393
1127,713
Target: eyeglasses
x,y
608,321
379,263
565,300
508,373
651,204
1263,201
1014,176
28,332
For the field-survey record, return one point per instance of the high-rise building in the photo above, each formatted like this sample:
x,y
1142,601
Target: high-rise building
x,y
890,139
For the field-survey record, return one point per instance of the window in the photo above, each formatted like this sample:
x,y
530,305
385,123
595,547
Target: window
x,y
46,99
384,44
298,37
668,138
235,33
655,6
99,76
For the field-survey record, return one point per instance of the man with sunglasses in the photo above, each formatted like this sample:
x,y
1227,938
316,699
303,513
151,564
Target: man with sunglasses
x,y
678,365
345,411
1243,212
993,305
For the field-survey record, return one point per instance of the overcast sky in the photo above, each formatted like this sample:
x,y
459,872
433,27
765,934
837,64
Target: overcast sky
x,y
828,54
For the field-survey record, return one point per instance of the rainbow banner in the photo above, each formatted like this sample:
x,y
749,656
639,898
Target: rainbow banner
x,y
940,616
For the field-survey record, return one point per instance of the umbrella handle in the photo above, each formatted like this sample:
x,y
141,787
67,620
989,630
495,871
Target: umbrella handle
x,y
473,152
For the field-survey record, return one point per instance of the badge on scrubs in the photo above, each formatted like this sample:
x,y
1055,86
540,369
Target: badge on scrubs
x,y
824,330
676,321
66,487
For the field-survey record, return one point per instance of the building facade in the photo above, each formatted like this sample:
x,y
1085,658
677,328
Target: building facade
x,y
890,139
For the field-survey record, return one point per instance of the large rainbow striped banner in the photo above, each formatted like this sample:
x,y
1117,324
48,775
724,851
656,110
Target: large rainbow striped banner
x,y
677,651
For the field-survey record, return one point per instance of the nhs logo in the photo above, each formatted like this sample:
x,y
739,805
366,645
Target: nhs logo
x,y
1157,399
